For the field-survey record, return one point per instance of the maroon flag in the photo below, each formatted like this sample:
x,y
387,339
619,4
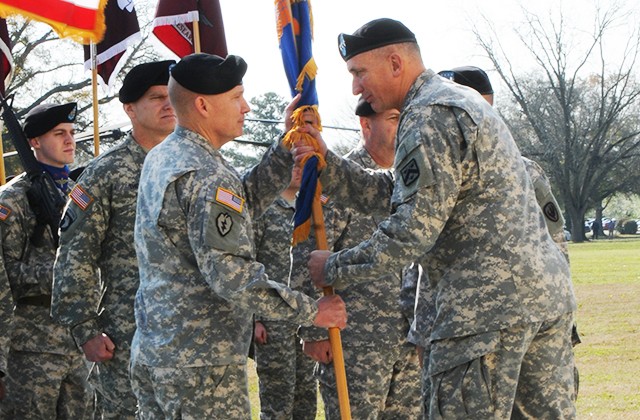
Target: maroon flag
x,y
173,26
6,60
122,31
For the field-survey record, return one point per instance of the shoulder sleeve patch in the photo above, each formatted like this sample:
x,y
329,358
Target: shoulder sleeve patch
x,y
4,212
413,170
551,212
229,199
80,197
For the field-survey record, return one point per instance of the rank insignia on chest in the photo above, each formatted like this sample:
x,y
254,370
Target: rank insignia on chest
x,y
229,199
410,172
224,223
4,212
80,197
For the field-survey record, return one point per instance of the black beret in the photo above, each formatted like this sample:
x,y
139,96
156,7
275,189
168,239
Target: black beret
x,y
209,74
471,76
44,117
363,109
372,35
142,77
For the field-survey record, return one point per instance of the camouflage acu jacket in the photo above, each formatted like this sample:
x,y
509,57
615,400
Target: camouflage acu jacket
x,y
96,271
199,281
464,208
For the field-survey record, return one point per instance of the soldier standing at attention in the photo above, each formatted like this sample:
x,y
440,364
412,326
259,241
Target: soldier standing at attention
x,y
6,321
199,282
46,372
96,271
383,373
288,389
500,342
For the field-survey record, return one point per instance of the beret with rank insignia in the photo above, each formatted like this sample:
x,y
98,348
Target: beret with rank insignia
x,y
44,117
375,34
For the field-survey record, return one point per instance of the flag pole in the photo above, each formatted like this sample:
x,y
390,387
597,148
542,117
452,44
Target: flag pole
x,y
94,87
196,37
3,175
334,333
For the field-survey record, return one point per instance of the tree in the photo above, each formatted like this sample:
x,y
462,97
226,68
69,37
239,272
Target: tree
x,y
50,69
262,128
577,114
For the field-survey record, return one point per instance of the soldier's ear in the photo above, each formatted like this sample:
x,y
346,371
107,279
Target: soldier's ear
x,y
35,143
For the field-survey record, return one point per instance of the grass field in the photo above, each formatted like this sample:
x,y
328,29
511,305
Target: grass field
x,y
606,276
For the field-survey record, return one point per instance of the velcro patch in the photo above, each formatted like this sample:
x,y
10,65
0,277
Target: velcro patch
x,y
410,172
551,212
80,197
4,212
324,199
229,199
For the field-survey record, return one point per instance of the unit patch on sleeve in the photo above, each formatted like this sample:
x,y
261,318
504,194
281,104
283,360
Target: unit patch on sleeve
x,y
551,212
80,197
410,172
229,199
4,212
224,223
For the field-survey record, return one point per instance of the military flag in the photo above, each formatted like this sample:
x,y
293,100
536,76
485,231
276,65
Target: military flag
x,y
295,34
81,20
122,31
294,22
6,60
178,23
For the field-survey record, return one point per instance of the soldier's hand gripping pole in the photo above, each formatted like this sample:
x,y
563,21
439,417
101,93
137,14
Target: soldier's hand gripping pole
x,y
334,333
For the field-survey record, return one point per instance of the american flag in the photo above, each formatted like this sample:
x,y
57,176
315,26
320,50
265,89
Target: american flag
x,y
80,197
229,199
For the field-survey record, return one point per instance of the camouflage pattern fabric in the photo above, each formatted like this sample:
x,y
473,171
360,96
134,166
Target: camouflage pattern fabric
x,y
44,360
287,387
383,384
483,387
206,392
378,359
199,281
46,386
96,271
547,203
464,209
6,318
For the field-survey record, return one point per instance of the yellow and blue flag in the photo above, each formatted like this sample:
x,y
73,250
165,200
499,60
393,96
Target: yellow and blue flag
x,y
295,33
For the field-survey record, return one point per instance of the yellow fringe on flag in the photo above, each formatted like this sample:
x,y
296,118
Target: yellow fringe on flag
x,y
309,71
293,137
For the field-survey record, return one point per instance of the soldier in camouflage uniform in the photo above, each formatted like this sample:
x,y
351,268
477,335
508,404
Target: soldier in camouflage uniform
x,y
96,270
6,320
383,374
46,372
288,389
464,209
199,281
